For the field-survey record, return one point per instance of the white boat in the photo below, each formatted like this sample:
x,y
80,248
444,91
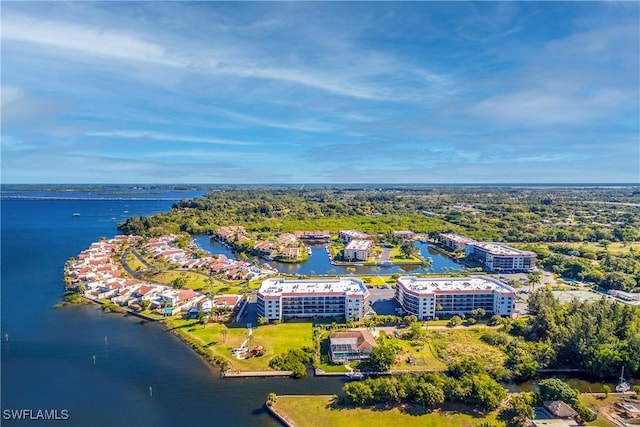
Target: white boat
x,y
624,386
354,375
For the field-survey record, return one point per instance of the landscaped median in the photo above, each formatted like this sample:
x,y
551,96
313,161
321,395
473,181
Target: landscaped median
x,y
215,341
321,411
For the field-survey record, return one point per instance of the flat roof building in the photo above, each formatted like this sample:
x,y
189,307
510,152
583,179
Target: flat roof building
x,y
348,235
358,250
454,241
431,297
279,298
500,257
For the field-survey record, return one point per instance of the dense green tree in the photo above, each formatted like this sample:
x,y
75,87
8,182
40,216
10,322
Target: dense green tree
x,y
382,357
556,389
520,408
428,394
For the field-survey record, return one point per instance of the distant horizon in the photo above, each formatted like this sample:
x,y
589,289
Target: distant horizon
x,y
321,92
325,184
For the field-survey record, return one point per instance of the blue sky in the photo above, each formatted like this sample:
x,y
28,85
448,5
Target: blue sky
x,y
328,92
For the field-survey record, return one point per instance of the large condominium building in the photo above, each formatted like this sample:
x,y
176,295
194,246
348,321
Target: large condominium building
x,y
348,235
431,297
279,298
454,241
500,257
358,250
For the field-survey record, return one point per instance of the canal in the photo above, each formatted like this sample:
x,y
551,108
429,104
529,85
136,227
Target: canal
x,y
320,263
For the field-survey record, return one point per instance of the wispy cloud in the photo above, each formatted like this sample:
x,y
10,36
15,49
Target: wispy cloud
x,y
156,136
81,38
362,92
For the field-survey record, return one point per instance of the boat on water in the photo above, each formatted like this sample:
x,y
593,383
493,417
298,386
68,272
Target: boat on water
x,y
354,375
623,386
75,214
308,250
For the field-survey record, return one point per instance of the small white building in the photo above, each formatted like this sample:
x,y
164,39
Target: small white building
x,y
359,250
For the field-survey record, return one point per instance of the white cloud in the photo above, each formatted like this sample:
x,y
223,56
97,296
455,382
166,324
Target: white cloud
x,y
90,40
10,94
544,106
158,136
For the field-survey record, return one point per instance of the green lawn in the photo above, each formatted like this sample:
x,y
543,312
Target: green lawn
x,y
274,339
312,411
134,263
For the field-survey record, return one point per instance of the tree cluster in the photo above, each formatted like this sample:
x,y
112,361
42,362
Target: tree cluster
x,y
295,360
428,389
599,336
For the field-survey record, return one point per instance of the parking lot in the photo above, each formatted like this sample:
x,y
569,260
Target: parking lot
x,y
382,302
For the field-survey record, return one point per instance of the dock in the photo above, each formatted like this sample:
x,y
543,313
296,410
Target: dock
x,y
256,374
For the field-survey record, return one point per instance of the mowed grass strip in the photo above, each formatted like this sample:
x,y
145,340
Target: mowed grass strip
x,y
134,263
317,411
220,339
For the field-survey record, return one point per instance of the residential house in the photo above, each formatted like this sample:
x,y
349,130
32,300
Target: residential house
x,y
353,345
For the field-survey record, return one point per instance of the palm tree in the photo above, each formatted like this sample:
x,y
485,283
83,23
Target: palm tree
x,y
534,278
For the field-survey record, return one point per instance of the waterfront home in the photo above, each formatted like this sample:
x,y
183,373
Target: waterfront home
x,y
345,347
289,253
320,236
264,248
287,239
358,250
230,233
559,409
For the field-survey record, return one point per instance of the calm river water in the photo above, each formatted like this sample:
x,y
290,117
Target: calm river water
x,y
48,354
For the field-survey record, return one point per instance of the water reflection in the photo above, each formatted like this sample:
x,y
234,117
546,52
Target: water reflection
x,y
320,263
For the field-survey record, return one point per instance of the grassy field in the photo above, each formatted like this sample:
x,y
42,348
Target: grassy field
x,y
220,339
415,357
134,263
614,248
312,411
197,282
451,344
